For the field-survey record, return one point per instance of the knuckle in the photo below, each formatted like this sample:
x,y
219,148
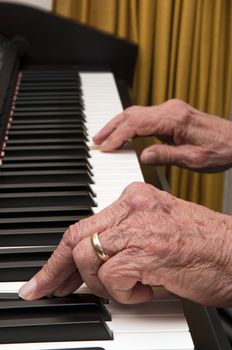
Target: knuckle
x,y
70,235
128,112
176,103
181,109
137,194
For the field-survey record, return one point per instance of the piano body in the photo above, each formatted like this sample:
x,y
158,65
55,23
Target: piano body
x,y
59,83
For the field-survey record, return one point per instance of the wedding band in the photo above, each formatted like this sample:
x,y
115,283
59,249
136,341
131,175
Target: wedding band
x,y
98,247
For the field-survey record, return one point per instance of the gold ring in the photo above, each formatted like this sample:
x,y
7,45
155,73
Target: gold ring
x,y
98,247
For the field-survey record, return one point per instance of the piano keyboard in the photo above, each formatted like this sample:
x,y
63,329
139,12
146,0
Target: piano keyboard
x,y
159,324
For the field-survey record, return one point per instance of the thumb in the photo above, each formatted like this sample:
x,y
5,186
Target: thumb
x,y
166,155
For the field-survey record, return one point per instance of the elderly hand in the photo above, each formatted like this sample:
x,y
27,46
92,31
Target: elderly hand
x,y
200,141
152,238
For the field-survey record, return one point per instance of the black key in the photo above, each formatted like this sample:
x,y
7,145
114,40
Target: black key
x,y
36,125
49,114
29,186
69,320
58,109
71,88
82,165
31,237
81,303
75,133
44,157
49,78
46,152
47,94
51,102
38,199
11,224
45,176
28,141
19,265
44,187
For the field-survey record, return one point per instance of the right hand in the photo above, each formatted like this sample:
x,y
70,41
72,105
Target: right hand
x,y
199,141
152,238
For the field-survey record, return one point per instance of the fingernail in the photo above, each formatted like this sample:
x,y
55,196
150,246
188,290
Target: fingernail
x,y
27,289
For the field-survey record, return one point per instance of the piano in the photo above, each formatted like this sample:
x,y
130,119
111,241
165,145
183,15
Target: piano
x,y
59,83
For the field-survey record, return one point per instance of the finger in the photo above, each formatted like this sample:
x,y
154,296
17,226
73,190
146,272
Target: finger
x,y
70,285
122,280
61,264
169,155
54,273
108,129
88,262
117,138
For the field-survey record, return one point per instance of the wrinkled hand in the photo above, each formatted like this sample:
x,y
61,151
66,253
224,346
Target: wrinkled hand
x,y
199,141
152,238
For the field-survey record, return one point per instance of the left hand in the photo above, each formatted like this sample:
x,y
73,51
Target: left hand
x,y
199,141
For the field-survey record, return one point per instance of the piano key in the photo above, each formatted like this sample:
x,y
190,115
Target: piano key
x,y
42,153
37,199
31,94
46,83
22,177
31,237
48,114
46,165
28,122
48,102
75,303
64,183
146,324
54,329
71,132
47,109
50,78
36,125
43,187
17,224
22,268
44,157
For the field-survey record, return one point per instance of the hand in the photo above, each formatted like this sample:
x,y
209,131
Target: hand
x,y
199,141
152,238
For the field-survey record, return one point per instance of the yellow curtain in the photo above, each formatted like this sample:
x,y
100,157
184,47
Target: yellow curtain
x,y
185,51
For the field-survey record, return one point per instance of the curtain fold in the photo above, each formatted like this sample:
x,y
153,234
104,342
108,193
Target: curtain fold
x,y
185,51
